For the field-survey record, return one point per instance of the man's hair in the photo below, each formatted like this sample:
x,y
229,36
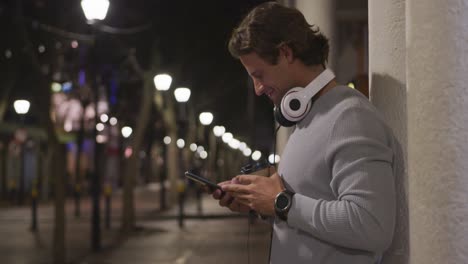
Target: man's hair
x,y
269,26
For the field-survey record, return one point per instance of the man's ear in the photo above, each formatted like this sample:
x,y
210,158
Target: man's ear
x,y
286,52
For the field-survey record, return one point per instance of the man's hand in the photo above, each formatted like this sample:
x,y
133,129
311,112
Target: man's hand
x,y
227,200
255,192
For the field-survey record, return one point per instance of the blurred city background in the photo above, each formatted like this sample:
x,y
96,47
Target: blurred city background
x,y
104,105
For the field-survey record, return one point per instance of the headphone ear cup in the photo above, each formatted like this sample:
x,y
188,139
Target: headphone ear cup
x,y
294,106
281,119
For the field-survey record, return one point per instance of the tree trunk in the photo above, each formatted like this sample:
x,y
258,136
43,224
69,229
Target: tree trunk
x,y
128,214
166,107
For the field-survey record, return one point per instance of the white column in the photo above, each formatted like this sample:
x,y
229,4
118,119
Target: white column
x,y
387,83
322,14
437,77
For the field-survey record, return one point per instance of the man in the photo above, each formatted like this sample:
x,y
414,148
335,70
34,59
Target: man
x,y
333,197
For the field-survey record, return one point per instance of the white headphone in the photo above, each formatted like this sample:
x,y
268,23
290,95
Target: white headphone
x,y
297,102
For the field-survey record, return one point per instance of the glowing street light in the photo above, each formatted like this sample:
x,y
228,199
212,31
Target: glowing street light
x,y
180,143
219,130
206,118
200,149
203,154
256,155
162,82
226,137
113,121
182,94
242,146
21,106
247,152
100,127
104,118
274,158
126,131
167,140
193,147
234,143
95,9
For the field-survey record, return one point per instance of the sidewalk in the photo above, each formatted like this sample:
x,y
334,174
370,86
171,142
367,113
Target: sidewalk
x,y
222,237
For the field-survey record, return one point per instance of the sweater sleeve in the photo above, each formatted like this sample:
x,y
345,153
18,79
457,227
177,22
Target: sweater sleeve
x,y
362,215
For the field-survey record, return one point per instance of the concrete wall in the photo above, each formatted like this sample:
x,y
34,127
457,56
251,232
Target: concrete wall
x,y
437,66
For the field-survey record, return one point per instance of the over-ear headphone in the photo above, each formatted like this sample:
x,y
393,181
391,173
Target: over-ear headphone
x,y
297,102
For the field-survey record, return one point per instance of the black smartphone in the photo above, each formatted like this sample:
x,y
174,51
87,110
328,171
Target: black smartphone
x,y
203,181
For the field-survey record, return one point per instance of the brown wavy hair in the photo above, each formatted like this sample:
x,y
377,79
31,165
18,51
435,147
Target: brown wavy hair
x,y
269,26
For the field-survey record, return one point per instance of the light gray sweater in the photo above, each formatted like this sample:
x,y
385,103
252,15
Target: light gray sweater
x,y
340,161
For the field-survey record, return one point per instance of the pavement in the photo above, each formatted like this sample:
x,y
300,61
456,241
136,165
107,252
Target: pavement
x,y
214,235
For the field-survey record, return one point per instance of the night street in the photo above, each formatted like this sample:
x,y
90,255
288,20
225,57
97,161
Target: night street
x,y
345,122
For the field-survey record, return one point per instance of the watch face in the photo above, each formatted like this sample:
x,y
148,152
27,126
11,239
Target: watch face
x,y
282,202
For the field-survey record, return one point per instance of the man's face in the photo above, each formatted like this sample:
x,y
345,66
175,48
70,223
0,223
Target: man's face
x,y
268,79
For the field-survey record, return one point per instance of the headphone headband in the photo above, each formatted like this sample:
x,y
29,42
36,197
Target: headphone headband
x,y
316,85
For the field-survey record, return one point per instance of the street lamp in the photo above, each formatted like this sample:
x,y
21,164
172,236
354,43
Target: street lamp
x,y
162,82
180,143
206,118
274,158
226,137
95,9
234,143
21,106
182,94
256,155
219,130
247,152
126,131
193,147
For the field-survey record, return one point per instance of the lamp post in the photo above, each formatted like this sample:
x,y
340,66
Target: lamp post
x,y
162,82
182,95
22,108
95,10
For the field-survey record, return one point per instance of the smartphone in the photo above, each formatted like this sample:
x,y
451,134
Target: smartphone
x,y
203,181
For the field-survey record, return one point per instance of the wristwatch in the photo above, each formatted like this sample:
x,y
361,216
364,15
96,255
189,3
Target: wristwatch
x,y
283,202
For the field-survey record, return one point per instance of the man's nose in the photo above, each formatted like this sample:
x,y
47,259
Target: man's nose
x,y
259,88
